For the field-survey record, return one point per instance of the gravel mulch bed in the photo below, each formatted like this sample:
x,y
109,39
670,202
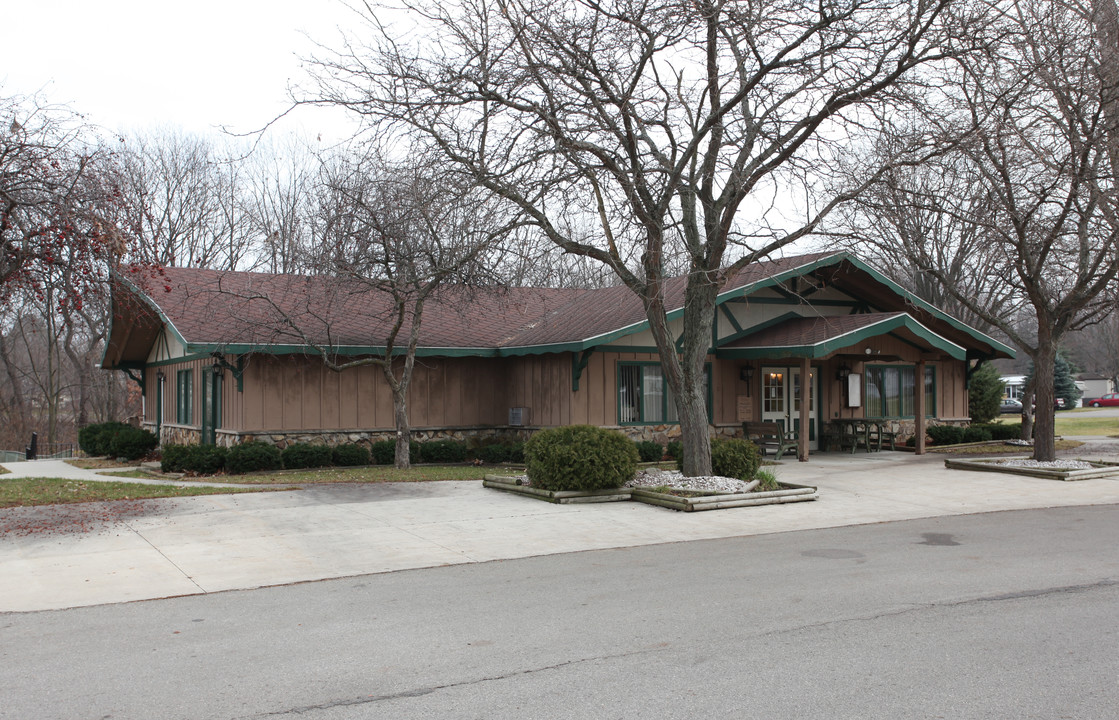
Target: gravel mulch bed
x,y
1047,464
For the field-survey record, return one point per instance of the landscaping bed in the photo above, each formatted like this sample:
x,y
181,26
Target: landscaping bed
x,y
694,500
665,489
1065,470
517,485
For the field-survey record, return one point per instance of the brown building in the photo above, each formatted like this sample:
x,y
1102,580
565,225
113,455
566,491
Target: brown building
x,y
228,356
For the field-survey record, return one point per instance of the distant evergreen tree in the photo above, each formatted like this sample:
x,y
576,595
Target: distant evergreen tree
x,y
984,393
1064,385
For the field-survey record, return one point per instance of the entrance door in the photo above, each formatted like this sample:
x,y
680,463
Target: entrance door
x,y
781,393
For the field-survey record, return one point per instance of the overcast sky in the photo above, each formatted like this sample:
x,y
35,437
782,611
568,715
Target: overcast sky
x,y
133,64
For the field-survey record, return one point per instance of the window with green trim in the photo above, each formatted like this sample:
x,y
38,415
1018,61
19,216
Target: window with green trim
x,y
184,394
644,397
890,391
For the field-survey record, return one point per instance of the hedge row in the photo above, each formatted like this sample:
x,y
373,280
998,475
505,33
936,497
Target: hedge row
x,y
256,455
980,432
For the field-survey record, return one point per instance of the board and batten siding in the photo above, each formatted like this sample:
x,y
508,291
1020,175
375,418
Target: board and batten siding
x,y
292,392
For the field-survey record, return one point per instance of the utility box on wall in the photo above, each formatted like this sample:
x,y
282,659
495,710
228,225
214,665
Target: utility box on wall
x,y
854,390
518,416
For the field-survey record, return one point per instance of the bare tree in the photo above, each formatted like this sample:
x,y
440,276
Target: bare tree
x,y
404,234
180,197
1023,200
281,180
634,133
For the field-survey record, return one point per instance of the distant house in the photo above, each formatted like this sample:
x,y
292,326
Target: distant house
x,y
1093,386
1014,387
226,356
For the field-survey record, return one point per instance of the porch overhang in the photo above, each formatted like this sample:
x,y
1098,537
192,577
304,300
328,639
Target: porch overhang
x,y
822,336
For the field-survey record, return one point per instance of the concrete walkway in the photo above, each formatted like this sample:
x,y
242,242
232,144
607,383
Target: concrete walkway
x,y
223,542
66,471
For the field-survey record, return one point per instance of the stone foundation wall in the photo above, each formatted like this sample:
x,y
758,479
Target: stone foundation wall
x,y
663,434
175,434
227,438
905,429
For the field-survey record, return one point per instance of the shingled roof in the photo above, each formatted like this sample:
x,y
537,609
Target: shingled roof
x,y
241,312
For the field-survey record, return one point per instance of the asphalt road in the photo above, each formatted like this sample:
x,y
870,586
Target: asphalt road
x,y
1004,615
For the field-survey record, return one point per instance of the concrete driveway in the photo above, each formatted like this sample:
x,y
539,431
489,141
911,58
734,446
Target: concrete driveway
x,y
162,548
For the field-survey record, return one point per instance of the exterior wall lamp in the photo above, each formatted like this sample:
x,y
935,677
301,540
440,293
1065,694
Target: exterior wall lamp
x,y
843,372
746,374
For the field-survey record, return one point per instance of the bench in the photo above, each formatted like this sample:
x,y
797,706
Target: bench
x,y
878,433
770,435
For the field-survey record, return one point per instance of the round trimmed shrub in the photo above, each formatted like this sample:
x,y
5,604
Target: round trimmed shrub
x,y
649,451
735,458
253,456
442,451
131,443
976,434
580,457
351,455
306,455
205,459
95,439
946,434
173,458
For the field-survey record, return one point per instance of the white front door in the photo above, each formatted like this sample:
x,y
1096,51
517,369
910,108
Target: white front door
x,y
781,394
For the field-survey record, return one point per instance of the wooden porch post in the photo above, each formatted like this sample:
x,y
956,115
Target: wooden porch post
x,y
919,406
805,407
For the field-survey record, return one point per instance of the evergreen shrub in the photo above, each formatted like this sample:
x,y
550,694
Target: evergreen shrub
x,y
675,451
94,439
442,451
580,457
493,454
496,453
173,457
351,455
735,458
984,393
384,452
253,456
946,434
650,451
1005,431
204,459
131,443
306,455
976,434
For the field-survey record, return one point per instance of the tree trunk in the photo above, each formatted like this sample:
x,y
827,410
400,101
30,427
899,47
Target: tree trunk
x,y
691,395
401,459
1027,399
1044,427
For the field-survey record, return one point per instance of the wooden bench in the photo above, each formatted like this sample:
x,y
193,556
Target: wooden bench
x,y
770,435
878,433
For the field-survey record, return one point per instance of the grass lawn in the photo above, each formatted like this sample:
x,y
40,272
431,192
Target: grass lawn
x,y
99,463
1091,425
1000,449
53,491
133,473
374,474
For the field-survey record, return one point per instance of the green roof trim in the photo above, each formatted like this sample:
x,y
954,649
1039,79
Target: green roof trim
x,y
737,294
827,347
